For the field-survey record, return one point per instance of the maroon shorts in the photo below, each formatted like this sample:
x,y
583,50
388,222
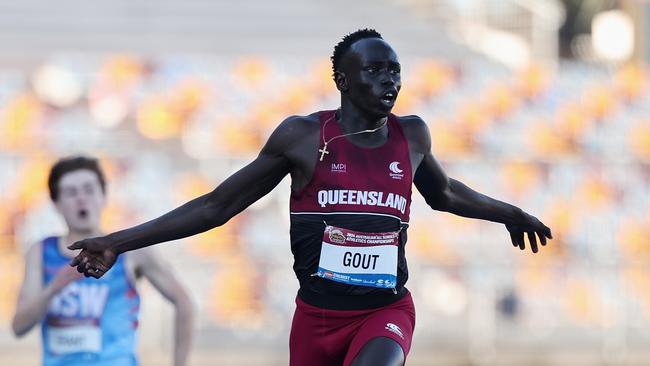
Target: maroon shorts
x,y
335,337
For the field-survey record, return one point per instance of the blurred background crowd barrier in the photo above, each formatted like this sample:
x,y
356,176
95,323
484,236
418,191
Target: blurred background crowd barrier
x,y
540,103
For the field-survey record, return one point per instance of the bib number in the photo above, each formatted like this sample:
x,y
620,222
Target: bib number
x,y
358,258
73,339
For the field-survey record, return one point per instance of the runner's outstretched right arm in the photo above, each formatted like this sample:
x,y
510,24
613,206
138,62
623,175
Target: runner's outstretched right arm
x,y
200,214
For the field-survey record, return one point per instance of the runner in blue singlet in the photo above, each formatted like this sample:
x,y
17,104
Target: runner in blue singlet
x,y
88,321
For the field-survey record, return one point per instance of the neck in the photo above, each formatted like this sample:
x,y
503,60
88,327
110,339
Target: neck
x,y
352,119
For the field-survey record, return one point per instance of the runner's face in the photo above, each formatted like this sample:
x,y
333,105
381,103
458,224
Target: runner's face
x,y
372,71
80,200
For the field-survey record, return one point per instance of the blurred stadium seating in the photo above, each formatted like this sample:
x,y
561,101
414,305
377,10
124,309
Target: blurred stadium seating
x,y
572,146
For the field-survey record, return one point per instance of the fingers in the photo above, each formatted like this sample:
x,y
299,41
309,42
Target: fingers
x,y
516,236
94,272
77,245
545,230
520,240
87,267
82,263
532,240
533,229
513,238
548,232
542,238
98,272
75,261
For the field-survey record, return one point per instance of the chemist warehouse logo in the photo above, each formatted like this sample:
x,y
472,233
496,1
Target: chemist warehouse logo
x,y
395,171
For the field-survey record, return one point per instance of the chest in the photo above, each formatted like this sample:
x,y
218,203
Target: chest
x,y
347,163
365,169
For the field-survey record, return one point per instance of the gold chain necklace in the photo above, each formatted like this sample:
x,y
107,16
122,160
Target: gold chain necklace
x,y
324,151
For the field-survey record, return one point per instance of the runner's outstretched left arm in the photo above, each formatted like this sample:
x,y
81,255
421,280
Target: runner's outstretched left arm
x,y
446,194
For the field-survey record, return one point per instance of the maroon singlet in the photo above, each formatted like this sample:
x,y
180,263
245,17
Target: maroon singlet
x,y
361,189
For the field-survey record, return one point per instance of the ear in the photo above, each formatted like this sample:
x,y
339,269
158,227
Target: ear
x,y
341,81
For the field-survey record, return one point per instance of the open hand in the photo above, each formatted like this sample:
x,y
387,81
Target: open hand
x,y
531,226
96,257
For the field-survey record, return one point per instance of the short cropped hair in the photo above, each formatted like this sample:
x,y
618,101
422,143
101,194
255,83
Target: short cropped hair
x,y
70,164
344,45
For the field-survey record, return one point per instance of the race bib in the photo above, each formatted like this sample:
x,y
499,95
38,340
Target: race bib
x,y
74,338
358,258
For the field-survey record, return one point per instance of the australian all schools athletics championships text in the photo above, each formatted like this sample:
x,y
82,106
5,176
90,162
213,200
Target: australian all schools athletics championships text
x,y
365,198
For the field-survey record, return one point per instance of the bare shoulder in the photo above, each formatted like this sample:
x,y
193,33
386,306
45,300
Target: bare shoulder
x,y
292,131
34,253
33,267
296,127
413,124
304,123
34,249
416,132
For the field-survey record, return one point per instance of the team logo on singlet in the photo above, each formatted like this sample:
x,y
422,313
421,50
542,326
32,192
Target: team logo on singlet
x,y
395,171
395,329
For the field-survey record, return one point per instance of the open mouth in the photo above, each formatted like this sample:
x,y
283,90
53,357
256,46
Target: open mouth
x,y
83,213
389,98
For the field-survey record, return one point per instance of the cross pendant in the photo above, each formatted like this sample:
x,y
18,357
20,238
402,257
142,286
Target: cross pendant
x,y
323,151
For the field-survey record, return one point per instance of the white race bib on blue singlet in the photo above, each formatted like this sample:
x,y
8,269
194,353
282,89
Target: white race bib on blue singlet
x,y
74,338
